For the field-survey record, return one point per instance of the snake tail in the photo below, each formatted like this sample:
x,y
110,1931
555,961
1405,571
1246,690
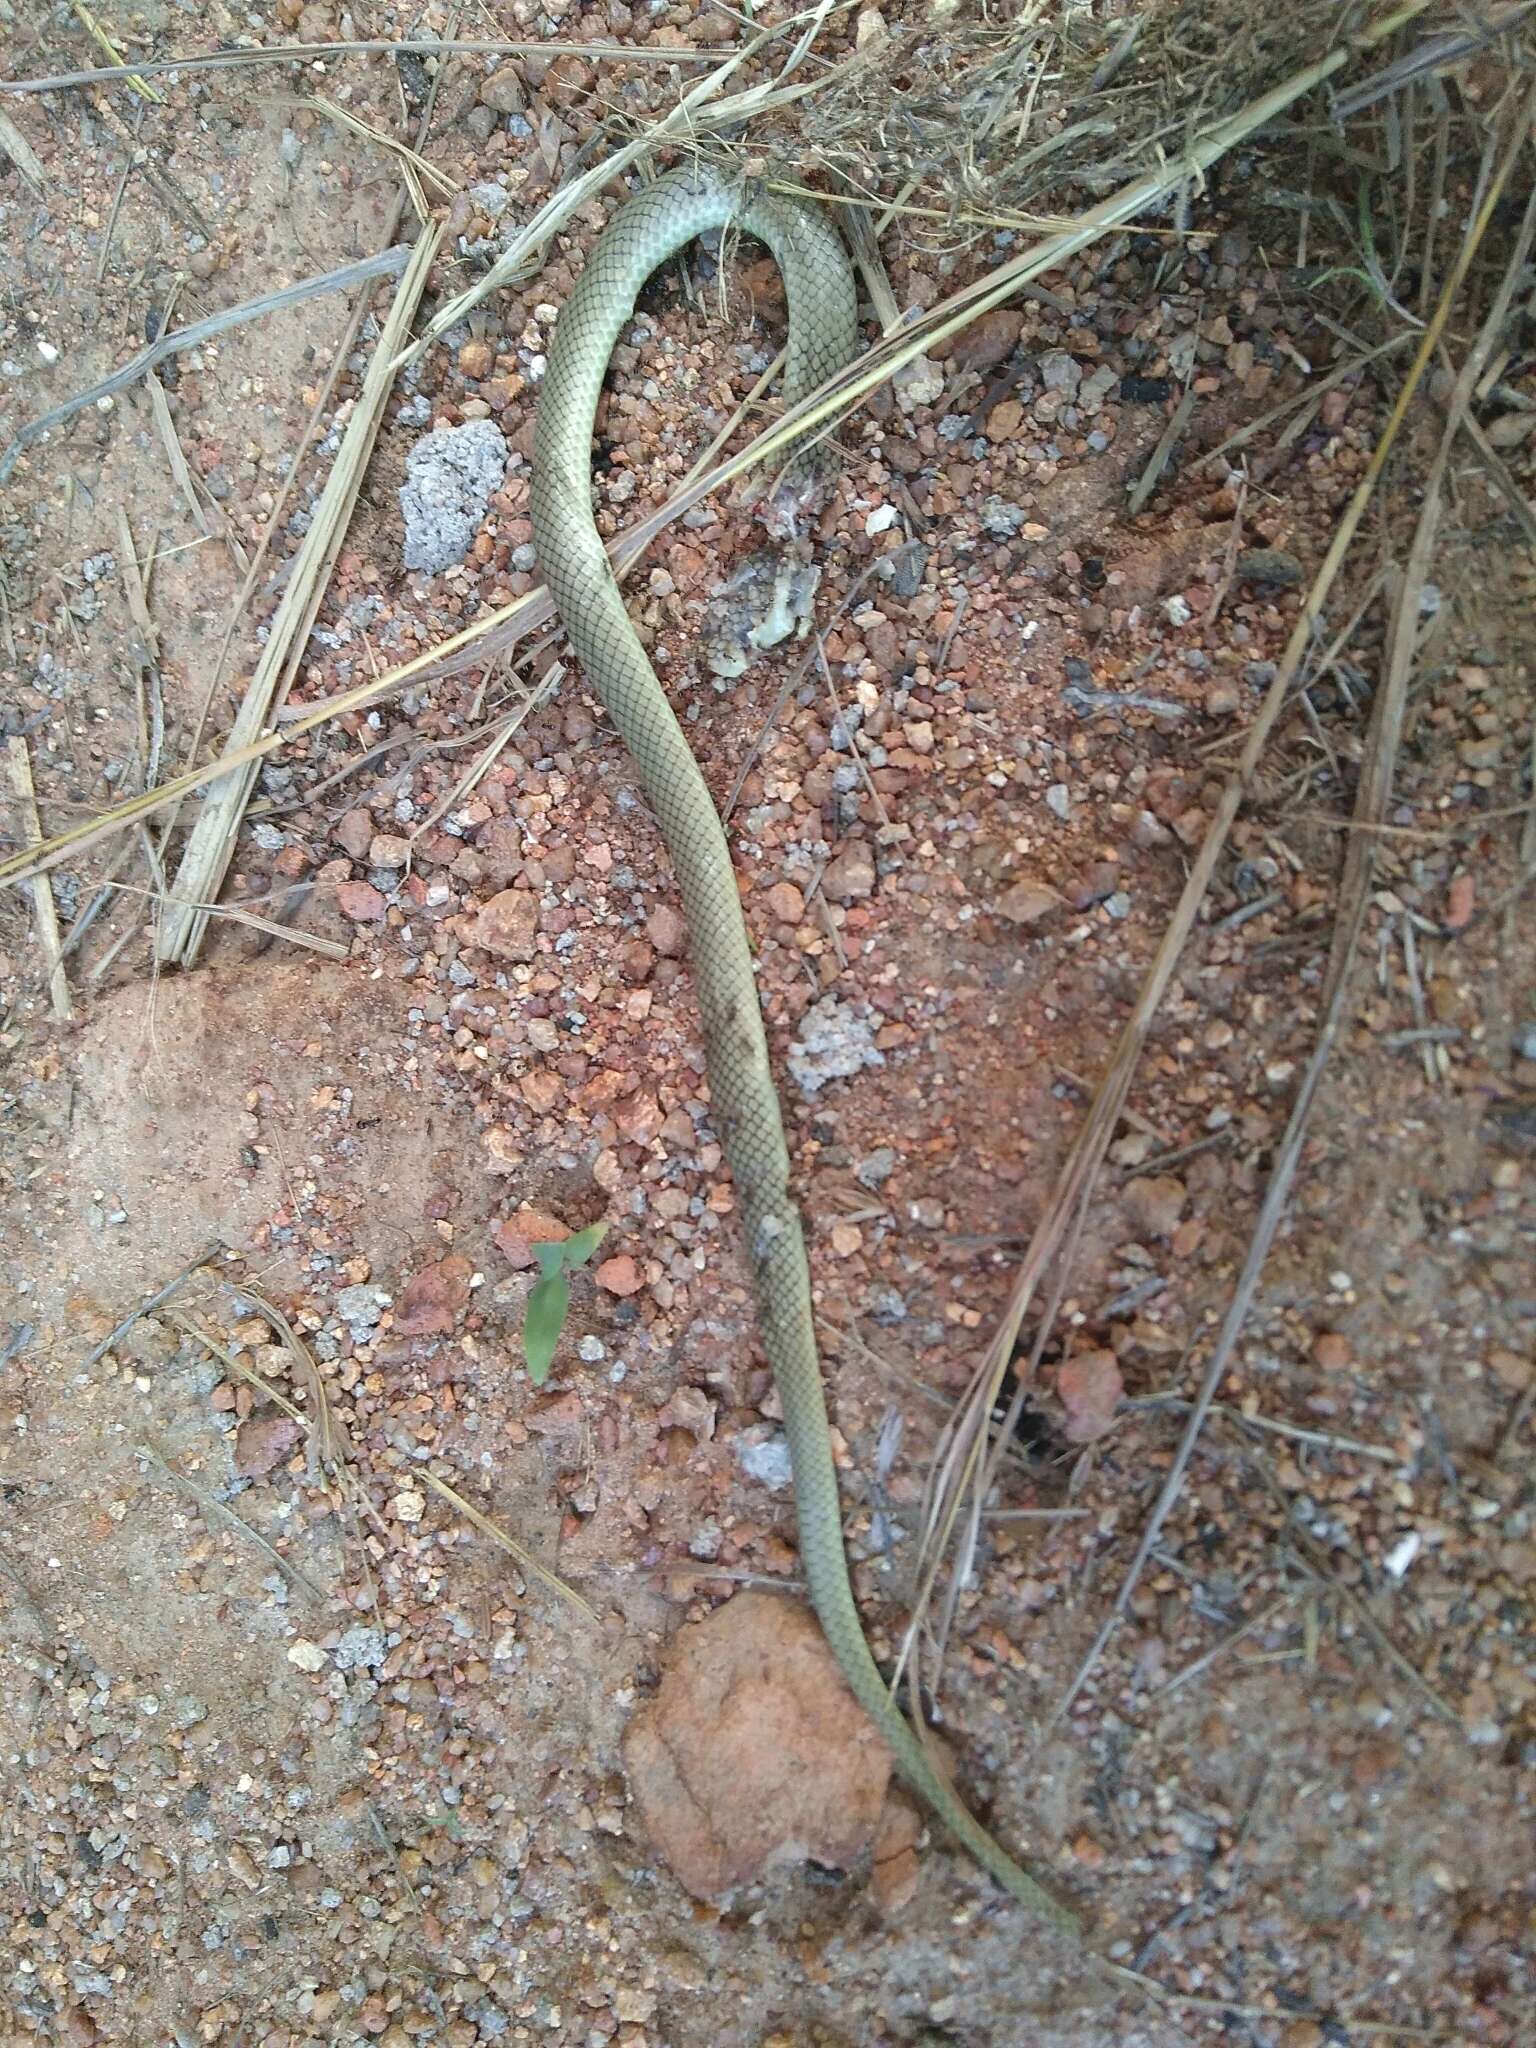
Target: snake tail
x,y
819,284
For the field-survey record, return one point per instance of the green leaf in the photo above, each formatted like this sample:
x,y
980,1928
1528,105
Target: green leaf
x,y
579,1249
551,1257
547,1304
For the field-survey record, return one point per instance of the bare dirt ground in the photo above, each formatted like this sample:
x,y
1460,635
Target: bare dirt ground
x,y
293,1751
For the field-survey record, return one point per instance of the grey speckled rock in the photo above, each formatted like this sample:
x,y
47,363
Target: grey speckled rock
x,y
449,478
835,1040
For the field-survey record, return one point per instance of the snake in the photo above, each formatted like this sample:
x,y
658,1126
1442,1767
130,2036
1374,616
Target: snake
x,y
651,226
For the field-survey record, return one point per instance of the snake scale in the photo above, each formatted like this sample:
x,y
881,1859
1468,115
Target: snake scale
x,y
822,337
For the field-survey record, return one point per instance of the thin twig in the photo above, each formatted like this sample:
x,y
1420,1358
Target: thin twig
x,y
385,264
1160,1993
210,1502
145,1308
1324,1439
1219,1650
1316,1561
325,53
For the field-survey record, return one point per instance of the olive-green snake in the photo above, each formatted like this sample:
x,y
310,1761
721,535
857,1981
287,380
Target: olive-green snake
x,y
822,338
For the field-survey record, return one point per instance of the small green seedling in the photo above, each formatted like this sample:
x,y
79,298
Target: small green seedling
x,y
551,1296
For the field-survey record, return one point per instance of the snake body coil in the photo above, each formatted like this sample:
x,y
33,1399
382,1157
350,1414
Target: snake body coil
x,y
822,338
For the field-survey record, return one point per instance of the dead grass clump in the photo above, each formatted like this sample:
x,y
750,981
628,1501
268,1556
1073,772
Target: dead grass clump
x,y
981,118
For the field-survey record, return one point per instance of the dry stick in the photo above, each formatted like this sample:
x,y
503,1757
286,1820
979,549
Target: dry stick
x,y
1372,799
211,843
1503,477
385,264
44,909
1240,1419
1218,1650
1158,460
190,1327
1161,1995
1316,1561
868,373
324,53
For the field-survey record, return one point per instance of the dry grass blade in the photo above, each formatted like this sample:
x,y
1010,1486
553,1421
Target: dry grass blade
x,y
44,910
537,694
329,1437
131,76
1503,478
509,1544
329,1447
17,868
1372,798
1246,1420
236,1366
211,843
1305,401
291,935
207,513
1436,53
1232,2009
425,175
952,315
